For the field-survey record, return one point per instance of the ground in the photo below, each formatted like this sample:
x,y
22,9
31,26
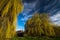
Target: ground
x,y
36,38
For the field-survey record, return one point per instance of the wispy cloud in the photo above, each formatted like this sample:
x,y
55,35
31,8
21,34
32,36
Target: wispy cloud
x,y
26,18
56,18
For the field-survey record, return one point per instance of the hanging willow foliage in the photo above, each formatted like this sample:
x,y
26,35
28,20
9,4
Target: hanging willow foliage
x,y
9,10
39,25
32,26
46,23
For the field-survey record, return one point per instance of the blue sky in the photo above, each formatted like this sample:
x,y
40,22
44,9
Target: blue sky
x,y
41,6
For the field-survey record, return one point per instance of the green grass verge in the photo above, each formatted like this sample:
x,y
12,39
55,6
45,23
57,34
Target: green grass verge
x,y
35,38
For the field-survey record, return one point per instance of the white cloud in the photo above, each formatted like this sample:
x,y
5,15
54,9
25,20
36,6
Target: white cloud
x,y
56,18
28,7
26,11
26,17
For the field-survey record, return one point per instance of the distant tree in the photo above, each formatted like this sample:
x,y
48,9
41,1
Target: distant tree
x,y
57,30
9,10
20,33
39,25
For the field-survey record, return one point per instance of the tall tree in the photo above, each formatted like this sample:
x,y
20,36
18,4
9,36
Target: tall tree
x,y
32,26
46,24
39,25
9,10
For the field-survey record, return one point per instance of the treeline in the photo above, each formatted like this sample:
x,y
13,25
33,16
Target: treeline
x,y
40,25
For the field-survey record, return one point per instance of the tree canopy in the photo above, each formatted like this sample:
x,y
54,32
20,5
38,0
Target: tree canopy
x,y
39,25
9,10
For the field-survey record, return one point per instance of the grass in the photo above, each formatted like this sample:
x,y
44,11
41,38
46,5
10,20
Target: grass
x,y
36,38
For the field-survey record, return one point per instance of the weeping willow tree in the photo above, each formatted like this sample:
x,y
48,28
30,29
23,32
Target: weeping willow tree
x,y
39,25
32,26
46,25
9,10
